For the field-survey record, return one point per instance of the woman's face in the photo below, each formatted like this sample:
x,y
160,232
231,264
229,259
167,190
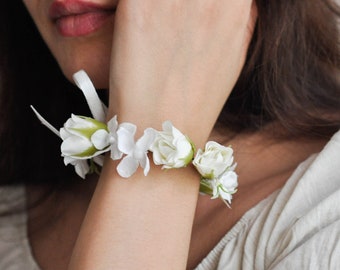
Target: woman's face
x,y
78,33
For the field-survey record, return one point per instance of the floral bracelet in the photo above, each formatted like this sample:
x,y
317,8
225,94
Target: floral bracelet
x,y
86,139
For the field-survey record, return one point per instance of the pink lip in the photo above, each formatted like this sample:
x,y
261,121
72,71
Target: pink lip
x,y
78,18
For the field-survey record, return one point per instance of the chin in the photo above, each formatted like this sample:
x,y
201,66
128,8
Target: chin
x,y
98,73
91,54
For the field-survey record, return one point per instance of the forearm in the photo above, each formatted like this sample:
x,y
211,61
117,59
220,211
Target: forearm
x,y
120,233
161,70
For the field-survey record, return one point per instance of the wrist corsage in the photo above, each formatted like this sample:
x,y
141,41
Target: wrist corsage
x,y
86,139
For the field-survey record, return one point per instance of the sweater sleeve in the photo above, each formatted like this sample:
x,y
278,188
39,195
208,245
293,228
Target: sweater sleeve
x,y
318,250
15,251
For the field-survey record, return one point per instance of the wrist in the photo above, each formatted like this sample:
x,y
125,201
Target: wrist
x,y
85,140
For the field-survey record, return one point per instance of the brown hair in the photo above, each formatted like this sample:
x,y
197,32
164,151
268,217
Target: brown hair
x,y
291,77
292,72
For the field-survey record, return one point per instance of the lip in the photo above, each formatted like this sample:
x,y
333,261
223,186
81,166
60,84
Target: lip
x,y
74,18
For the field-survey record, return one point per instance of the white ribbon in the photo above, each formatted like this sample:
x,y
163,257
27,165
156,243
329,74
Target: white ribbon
x,y
98,109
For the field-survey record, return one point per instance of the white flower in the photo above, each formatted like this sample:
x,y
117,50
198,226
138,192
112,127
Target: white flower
x,y
81,166
171,148
224,186
136,152
113,127
214,160
83,138
102,138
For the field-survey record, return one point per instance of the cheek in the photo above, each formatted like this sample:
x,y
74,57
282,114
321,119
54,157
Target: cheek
x,y
33,9
38,10
28,4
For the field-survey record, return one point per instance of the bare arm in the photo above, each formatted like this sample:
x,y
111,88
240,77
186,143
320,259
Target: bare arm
x,y
171,60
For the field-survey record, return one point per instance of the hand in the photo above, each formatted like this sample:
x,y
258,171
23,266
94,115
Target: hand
x,y
171,60
177,60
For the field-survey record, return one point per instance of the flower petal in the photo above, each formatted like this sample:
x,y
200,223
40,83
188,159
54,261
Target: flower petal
x,y
145,163
74,145
78,122
229,181
68,160
184,149
99,160
126,141
115,152
127,167
44,122
112,125
64,134
144,143
167,126
100,139
82,168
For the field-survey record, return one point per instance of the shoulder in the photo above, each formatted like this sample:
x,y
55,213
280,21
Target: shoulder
x,y
297,227
308,226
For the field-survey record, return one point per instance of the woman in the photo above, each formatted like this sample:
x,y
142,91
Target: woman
x,y
174,60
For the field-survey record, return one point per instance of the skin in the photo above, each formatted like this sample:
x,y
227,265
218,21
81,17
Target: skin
x,y
165,58
72,53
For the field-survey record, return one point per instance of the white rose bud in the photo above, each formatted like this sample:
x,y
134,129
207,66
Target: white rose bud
x,y
214,160
225,186
81,136
171,148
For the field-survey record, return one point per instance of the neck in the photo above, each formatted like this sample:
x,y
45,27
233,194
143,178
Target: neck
x,y
263,166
